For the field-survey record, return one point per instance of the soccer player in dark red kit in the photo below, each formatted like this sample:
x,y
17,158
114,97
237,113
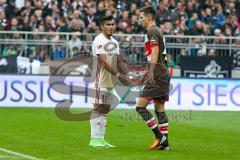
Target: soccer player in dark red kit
x,y
156,81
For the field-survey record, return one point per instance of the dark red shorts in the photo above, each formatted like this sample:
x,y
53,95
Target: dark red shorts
x,y
160,91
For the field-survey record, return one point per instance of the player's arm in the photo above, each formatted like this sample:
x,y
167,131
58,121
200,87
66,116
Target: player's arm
x,y
154,42
154,60
103,60
154,57
98,49
122,66
155,38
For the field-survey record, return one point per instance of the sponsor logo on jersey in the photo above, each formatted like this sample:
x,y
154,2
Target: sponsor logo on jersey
x,y
99,46
110,46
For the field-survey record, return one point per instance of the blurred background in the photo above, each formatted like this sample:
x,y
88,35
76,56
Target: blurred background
x,y
42,31
41,38
48,37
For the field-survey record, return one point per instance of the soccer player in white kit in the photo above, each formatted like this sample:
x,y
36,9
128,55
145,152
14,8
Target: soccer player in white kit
x,y
109,68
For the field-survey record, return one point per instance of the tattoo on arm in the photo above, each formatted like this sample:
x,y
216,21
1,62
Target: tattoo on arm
x,y
122,66
103,60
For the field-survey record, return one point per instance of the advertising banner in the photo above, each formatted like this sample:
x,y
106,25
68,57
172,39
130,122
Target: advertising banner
x,y
207,67
185,93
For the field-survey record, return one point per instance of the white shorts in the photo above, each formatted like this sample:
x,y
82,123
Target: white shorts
x,y
108,96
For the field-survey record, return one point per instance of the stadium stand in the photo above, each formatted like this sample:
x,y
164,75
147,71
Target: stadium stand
x,y
215,23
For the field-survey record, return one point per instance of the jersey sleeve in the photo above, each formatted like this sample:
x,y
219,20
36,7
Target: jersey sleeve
x,y
98,47
154,37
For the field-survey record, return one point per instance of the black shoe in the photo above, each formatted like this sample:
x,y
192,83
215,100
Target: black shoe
x,y
164,148
164,144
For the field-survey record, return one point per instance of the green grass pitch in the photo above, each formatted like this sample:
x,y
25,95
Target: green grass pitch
x,y
193,136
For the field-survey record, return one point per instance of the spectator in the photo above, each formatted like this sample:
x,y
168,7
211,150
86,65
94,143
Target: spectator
x,y
163,14
192,20
2,5
168,27
209,15
183,52
211,53
181,12
231,8
184,27
77,4
75,45
222,37
125,16
90,17
146,4
35,13
197,28
219,19
100,12
76,25
108,13
170,60
42,56
228,32
112,8
191,17
65,8
3,21
135,26
124,46
190,8
11,10
203,16
93,28
14,25
38,54
9,50
36,19
207,31
38,5
58,53
28,8
34,54
122,26
43,37
48,25
133,8
236,54
77,16
61,25
235,21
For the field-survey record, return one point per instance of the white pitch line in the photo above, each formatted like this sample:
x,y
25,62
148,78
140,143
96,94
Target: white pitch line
x,y
3,156
19,154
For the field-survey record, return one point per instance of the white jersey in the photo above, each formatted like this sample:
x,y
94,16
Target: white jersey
x,y
103,45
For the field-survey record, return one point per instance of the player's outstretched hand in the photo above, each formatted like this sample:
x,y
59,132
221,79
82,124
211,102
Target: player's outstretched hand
x,y
137,81
124,80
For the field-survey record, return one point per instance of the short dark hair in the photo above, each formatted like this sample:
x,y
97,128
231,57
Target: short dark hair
x,y
106,18
149,11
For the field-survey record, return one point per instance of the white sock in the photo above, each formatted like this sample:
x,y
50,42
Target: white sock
x,y
103,124
95,123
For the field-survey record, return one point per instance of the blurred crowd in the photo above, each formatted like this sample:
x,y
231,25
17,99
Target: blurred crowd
x,y
175,17
192,17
